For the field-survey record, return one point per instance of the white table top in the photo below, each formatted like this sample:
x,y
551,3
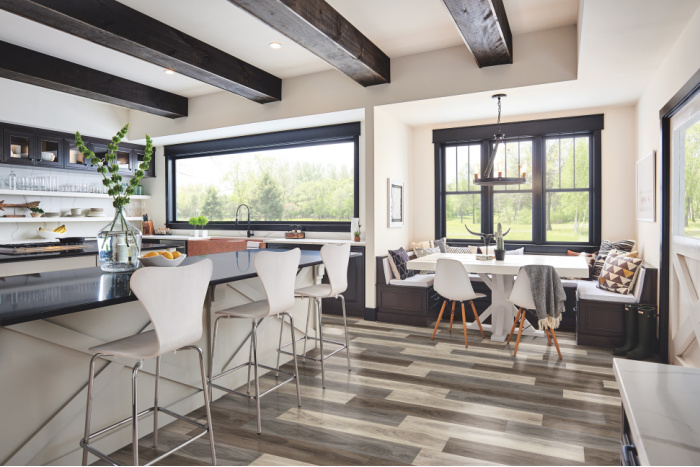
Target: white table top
x,y
663,409
566,266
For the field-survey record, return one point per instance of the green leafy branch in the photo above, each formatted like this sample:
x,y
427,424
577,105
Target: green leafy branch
x,y
109,168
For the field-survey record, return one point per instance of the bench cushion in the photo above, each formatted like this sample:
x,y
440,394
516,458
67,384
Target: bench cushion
x,y
419,280
588,290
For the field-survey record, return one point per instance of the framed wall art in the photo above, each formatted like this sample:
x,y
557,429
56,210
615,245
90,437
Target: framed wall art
x,y
396,203
646,188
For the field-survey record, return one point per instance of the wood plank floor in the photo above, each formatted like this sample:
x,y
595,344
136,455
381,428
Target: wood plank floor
x,y
413,400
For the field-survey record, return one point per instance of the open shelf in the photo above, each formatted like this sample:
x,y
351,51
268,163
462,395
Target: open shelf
x,y
63,194
44,220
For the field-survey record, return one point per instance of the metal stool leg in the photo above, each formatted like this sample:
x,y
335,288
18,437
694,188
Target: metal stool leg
x,y
207,402
294,351
279,344
320,341
211,356
135,412
88,410
254,340
306,331
250,361
347,339
155,404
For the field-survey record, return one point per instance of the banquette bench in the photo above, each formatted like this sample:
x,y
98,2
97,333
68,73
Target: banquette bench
x,y
596,315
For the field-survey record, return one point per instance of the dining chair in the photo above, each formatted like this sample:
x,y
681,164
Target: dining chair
x,y
335,259
521,296
173,299
453,284
277,272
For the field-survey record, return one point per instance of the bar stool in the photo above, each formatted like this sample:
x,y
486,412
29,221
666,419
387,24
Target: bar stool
x,y
277,272
335,260
521,296
453,284
173,299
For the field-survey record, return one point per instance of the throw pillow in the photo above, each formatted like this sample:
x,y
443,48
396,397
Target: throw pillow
x,y
420,252
605,247
459,249
442,244
473,249
400,258
619,273
517,251
425,244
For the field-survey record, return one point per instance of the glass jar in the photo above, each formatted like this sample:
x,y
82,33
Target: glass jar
x,y
119,245
12,181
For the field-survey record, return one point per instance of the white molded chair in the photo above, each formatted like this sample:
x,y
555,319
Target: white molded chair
x,y
521,296
453,284
277,272
335,259
173,298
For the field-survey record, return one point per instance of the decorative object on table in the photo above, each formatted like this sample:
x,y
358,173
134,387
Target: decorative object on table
x,y
296,231
162,259
396,211
486,239
500,251
119,242
358,232
147,226
199,221
487,177
36,211
646,188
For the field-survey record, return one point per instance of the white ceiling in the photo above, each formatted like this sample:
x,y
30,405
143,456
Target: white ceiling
x,y
621,43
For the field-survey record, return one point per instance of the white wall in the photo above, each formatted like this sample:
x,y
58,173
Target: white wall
x,y
679,66
618,176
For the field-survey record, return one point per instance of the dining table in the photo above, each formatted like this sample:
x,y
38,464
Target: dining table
x,y
499,276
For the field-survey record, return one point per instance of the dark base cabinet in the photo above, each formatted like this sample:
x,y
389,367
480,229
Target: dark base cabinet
x,y
600,324
355,293
417,306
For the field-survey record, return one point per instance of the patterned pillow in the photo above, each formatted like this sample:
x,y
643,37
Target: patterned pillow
x,y
459,249
605,247
420,252
442,244
400,258
517,251
619,273
425,244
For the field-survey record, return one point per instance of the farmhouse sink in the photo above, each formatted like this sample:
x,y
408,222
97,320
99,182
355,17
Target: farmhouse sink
x,y
219,245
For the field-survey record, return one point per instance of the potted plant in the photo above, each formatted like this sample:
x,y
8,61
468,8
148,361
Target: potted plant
x,y
199,221
500,251
119,242
36,211
358,231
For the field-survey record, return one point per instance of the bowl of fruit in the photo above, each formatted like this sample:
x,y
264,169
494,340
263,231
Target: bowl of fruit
x,y
162,258
58,232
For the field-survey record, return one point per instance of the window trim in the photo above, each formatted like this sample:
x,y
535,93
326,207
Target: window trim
x,y
345,132
537,130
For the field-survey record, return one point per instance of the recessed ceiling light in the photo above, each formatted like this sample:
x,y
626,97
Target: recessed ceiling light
x,y
168,71
275,45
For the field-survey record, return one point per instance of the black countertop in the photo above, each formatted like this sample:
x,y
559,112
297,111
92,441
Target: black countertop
x,y
37,296
90,249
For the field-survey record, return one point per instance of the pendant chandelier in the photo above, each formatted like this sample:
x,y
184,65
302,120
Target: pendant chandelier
x,y
487,177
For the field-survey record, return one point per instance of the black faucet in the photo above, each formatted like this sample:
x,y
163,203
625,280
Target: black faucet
x,y
249,233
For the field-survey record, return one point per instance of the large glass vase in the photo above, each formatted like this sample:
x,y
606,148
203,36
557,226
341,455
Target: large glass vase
x,y
119,245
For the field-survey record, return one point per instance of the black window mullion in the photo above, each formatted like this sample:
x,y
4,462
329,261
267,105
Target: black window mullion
x,y
486,192
538,177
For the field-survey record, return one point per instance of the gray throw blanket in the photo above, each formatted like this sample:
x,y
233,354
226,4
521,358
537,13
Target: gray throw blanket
x,y
548,294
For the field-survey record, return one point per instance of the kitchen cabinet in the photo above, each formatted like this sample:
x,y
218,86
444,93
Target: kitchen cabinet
x,y
17,147
139,154
74,159
124,159
49,151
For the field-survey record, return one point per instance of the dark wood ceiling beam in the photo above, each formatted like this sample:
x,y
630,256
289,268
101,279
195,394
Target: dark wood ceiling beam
x,y
29,66
114,25
318,27
485,29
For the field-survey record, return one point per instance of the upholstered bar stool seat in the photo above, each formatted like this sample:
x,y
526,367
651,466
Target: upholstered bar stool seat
x,y
173,299
335,260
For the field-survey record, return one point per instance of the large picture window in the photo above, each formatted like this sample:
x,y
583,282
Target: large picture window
x,y
558,205
302,177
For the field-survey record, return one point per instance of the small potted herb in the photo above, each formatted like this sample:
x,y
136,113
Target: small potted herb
x,y
36,211
358,232
199,221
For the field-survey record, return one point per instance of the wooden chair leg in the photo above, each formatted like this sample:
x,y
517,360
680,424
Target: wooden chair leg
x,y
476,318
546,333
464,323
452,316
520,333
439,318
556,344
515,323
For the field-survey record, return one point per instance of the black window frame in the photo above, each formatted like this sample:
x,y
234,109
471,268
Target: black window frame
x,y
537,131
345,132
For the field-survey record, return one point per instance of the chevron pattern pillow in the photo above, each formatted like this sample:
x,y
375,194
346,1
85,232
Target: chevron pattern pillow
x,y
619,273
400,258
605,247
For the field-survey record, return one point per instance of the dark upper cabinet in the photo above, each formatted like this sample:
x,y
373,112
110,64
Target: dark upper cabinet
x,y
138,158
18,147
124,159
49,151
74,159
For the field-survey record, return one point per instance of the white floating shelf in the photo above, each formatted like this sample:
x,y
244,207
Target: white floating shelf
x,y
44,220
63,194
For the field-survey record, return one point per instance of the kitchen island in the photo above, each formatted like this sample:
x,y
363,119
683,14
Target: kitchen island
x,y
50,320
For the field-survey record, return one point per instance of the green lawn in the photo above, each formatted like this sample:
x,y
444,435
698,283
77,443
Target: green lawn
x,y
693,230
522,232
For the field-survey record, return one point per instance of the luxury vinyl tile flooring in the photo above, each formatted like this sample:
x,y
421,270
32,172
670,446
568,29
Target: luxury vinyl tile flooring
x,y
413,400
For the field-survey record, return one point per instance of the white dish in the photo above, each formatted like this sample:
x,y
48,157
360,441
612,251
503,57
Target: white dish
x,y
161,261
49,235
48,156
52,214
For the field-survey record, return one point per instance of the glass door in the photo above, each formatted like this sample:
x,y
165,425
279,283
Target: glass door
x,y
139,155
18,148
49,152
123,157
74,159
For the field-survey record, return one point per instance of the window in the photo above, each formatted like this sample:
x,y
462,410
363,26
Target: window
x,y
301,177
559,204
